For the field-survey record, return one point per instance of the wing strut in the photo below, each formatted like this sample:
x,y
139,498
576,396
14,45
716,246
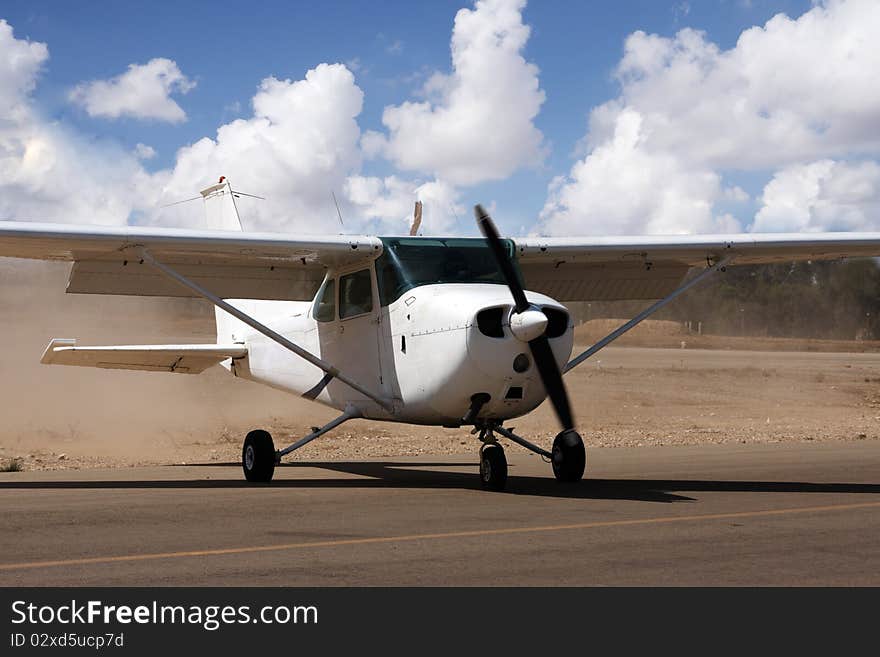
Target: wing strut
x,y
611,337
331,371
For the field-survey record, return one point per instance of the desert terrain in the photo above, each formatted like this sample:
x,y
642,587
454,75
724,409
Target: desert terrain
x,y
659,385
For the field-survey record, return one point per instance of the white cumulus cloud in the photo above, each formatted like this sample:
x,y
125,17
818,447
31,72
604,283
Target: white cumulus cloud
x,y
20,64
142,92
623,188
794,91
822,195
47,172
476,123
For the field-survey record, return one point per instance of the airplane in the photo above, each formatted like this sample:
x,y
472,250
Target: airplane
x,y
440,331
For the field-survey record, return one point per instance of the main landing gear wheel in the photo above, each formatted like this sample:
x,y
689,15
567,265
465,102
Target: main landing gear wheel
x,y
569,457
493,467
258,456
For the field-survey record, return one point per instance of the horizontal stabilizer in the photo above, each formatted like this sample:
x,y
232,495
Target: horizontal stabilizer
x,y
179,358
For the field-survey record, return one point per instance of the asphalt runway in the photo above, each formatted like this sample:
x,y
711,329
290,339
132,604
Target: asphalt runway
x,y
794,514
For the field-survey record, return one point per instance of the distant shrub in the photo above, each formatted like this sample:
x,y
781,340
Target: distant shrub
x,y
12,465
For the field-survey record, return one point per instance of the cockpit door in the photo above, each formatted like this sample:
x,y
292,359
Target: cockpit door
x,y
350,342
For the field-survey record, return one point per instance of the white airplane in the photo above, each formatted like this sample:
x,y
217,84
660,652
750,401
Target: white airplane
x,y
426,330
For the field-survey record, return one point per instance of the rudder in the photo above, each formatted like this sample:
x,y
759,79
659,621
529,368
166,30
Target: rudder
x,y
221,212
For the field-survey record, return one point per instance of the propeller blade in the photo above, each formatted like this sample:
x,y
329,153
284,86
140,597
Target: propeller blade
x,y
552,379
487,227
545,361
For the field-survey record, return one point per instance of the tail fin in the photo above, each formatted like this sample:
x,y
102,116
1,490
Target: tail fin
x,y
220,209
221,214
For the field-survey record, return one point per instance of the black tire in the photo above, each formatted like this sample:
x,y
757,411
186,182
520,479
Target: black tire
x,y
569,457
493,467
258,456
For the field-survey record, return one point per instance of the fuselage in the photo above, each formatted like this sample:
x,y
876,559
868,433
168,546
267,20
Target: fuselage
x,y
427,347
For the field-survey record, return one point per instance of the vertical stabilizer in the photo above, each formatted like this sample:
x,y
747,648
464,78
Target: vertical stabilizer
x,y
221,214
220,210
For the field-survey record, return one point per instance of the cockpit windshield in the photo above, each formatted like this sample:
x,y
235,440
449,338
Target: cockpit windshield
x,y
409,262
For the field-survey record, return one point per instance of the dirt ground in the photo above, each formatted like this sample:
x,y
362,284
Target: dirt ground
x,y
662,386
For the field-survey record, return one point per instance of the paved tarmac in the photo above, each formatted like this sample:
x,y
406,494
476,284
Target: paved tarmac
x,y
794,514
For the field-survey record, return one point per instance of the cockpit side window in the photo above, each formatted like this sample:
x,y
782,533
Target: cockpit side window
x,y
325,302
355,294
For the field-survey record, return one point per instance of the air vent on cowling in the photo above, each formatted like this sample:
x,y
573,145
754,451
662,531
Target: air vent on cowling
x,y
489,321
557,322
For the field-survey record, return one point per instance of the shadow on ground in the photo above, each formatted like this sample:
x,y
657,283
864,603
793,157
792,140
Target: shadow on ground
x,y
391,474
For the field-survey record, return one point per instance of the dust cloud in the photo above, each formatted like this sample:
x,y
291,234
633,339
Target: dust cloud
x,y
126,416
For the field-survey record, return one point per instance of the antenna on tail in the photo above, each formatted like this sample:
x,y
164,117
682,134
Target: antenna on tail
x,y
338,213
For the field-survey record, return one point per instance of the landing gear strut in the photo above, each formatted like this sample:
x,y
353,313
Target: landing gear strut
x,y
258,456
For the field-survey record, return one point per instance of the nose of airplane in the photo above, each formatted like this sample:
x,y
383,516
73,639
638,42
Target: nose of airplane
x,y
528,325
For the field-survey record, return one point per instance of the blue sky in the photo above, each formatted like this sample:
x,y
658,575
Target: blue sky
x,y
227,49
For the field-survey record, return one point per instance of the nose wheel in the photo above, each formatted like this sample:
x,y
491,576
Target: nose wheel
x,y
493,467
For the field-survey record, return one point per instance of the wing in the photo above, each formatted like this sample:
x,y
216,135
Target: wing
x,y
230,264
181,359
617,268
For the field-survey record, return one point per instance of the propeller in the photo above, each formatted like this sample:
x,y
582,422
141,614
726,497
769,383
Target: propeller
x,y
525,321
